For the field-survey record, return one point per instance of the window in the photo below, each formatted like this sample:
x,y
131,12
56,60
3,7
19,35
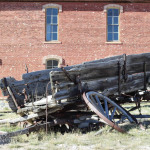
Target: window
x,y
113,13
52,61
52,64
51,24
112,25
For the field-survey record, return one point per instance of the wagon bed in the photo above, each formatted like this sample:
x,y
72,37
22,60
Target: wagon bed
x,y
58,93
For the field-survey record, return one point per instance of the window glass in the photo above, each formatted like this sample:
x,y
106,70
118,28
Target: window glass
x,y
54,36
55,28
48,28
51,24
116,36
48,20
116,28
112,25
109,20
55,63
109,28
109,12
48,36
115,20
110,37
55,11
52,64
116,12
49,11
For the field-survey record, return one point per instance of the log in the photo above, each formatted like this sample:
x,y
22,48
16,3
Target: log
x,y
43,101
44,74
136,58
133,83
87,72
98,70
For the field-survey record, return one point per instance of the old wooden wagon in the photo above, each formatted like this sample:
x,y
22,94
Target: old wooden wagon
x,y
80,96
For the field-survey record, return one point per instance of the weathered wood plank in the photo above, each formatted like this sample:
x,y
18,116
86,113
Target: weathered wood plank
x,y
44,74
29,117
136,58
89,71
133,83
99,70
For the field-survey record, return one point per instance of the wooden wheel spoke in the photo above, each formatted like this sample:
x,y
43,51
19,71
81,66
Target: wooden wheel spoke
x,y
93,101
113,113
106,108
99,104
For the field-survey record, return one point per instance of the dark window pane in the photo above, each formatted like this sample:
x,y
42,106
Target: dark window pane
x,y
109,20
115,20
55,28
55,36
55,19
109,12
115,28
55,63
48,37
55,11
116,36
48,29
52,64
49,63
116,12
49,11
48,21
110,28
110,37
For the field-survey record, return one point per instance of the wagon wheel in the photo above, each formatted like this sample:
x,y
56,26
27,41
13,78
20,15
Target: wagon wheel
x,y
106,109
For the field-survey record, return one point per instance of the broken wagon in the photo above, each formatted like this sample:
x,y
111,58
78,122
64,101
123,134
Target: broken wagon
x,y
80,96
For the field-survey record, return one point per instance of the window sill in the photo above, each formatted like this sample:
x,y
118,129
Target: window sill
x,y
52,42
113,42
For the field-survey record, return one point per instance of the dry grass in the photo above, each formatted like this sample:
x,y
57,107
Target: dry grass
x,y
134,139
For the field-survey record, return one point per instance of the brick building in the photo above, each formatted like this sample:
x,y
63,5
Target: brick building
x,y
42,34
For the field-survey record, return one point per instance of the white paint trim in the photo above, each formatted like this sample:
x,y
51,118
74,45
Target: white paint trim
x,y
52,6
113,6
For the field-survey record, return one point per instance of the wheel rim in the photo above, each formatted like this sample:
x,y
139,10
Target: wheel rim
x,y
107,109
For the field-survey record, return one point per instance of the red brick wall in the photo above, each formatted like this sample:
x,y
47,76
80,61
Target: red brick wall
x,y
82,31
